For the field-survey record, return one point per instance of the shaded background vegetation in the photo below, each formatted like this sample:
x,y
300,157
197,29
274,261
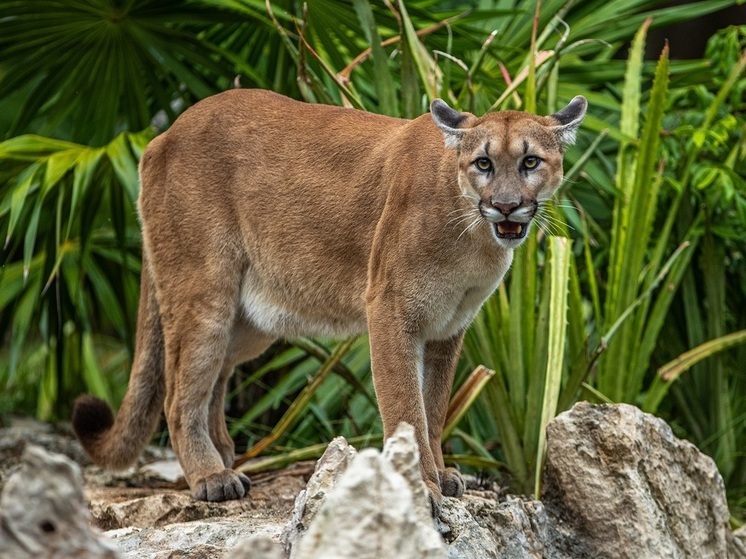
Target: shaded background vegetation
x,y
633,289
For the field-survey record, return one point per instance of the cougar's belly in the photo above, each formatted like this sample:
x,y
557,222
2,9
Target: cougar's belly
x,y
286,310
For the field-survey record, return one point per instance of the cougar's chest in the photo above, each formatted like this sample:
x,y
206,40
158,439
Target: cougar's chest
x,y
453,299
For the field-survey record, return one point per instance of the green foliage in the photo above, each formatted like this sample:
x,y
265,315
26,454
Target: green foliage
x,y
540,379
85,69
632,236
639,267
345,400
70,282
707,154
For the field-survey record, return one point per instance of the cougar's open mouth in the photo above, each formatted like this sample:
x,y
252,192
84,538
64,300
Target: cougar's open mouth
x,y
511,230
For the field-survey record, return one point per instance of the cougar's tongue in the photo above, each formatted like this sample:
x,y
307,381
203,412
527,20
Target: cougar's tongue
x,y
509,228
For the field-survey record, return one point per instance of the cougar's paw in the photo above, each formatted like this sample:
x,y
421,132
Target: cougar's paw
x,y
436,498
451,482
222,486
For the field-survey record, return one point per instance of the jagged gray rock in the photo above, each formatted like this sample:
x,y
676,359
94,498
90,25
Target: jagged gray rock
x,y
618,484
329,468
370,515
43,512
401,451
166,523
365,505
463,535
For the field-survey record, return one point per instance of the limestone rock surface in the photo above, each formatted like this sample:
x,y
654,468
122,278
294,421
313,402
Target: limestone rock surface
x,y
166,524
370,514
512,529
43,512
401,451
618,484
256,548
199,539
379,507
329,468
364,507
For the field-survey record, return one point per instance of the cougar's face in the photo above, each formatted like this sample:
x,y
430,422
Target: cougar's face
x,y
509,166
509,163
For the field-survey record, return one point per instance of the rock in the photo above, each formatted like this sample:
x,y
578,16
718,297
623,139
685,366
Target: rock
x,y
365,505
157,523
24,431
402,452
256,548
370,515
200,539
617,483
518,529
43,512
59,439
329,468
479,526
271,499
368,512
157,508
464,537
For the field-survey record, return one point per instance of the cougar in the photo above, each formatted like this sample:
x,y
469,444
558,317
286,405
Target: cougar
x,y
265,218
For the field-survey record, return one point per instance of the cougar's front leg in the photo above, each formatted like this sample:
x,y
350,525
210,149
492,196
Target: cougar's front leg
x,y
441,358
397,364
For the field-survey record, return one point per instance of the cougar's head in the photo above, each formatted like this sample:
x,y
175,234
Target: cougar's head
x,y
509,163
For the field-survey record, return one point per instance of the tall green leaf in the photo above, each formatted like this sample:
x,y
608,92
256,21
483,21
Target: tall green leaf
x,y
635,210
559,266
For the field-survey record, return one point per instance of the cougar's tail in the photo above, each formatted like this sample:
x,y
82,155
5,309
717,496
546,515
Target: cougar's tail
x,y
116,443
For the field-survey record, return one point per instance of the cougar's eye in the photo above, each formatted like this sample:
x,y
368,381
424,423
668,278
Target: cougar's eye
x,y
530,162
483,164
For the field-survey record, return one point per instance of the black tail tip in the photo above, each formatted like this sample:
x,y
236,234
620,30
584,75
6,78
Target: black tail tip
x,y
91,417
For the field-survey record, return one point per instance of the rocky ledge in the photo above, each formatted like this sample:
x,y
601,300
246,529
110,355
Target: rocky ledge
x,y
617,484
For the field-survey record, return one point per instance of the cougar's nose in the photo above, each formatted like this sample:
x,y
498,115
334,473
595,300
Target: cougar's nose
x,y
504,208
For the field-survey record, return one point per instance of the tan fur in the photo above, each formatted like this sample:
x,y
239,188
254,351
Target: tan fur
x,y
265,217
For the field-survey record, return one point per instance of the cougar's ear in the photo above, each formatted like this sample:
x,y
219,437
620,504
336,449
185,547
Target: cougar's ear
x,y
450,121
570,118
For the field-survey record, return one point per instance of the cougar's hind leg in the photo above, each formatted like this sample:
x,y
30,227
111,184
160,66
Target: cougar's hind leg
x,y
246,344
198,315
219,434
441,358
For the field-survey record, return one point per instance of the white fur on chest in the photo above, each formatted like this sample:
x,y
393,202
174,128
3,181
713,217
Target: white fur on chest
x,y
455,311
454,299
